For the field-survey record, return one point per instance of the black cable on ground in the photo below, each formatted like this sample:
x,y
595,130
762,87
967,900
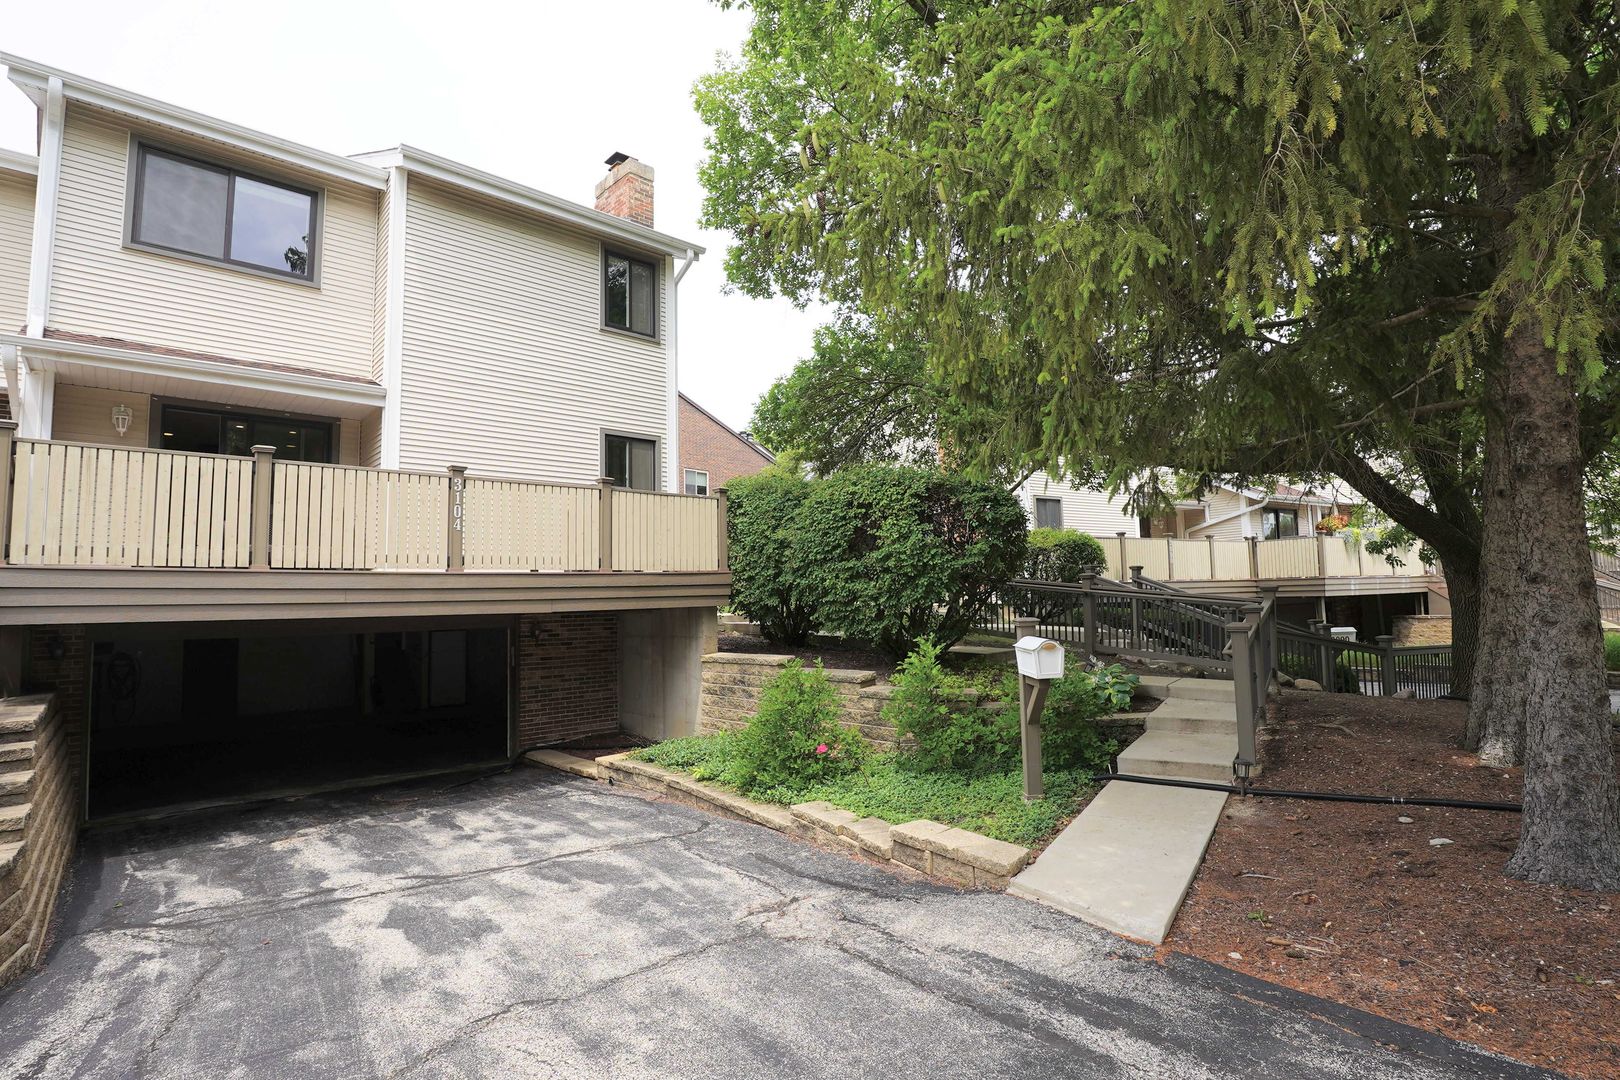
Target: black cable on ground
x,y
1319,796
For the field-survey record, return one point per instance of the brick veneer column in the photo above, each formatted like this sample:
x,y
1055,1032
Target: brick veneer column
x,y
567,677
68,676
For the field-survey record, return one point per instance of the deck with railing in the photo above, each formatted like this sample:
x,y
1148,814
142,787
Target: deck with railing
x,y
1253,560
69,504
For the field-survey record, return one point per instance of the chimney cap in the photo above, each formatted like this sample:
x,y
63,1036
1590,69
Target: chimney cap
x,y
616,157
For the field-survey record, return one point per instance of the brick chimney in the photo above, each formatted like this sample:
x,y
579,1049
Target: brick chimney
x,y
627,190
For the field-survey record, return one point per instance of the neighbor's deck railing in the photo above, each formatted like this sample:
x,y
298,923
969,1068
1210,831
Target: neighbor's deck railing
x,y
1153,620
71,504
1170,559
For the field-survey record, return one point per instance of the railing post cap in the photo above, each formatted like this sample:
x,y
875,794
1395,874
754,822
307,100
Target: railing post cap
x,y
263,449
8,425
456,468
605,481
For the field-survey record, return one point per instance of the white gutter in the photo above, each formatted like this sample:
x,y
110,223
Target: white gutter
x,y
674,478
34,79
393,362
14,161
44,355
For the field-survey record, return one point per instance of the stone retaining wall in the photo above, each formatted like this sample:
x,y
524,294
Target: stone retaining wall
x,y
938,851
39,822
733,682
1422,630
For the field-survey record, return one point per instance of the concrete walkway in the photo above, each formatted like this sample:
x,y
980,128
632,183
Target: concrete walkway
x,y
1127,861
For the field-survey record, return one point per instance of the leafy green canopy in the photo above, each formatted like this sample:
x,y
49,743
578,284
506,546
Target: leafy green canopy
x,y
1234,237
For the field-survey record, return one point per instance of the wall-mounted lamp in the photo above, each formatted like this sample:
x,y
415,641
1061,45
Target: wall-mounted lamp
x,y
121,417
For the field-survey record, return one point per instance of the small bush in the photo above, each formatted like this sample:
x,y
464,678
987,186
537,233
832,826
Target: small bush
x,y
766,585
1069,735
942,713
795,739
1345,678
1062,555
897,554
1611,651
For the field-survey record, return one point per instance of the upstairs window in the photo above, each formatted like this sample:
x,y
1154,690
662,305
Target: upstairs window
x,y
216,213
697,482
629,294
631,462
1049,513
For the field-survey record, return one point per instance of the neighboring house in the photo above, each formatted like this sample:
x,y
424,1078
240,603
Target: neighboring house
x,y
1240,540
712,453
177,290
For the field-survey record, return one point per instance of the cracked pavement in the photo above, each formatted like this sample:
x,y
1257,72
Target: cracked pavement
x,y
527,924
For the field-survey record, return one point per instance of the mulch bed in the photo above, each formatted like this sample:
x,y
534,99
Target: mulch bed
x,y
1347,902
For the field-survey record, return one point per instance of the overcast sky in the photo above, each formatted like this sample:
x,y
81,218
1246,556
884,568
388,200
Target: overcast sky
x,y
539,92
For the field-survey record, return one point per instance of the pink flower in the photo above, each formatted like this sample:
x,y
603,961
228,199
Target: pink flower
x,y
822,749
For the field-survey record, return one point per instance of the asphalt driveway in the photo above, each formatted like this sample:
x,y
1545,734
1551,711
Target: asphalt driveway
x,y
528,925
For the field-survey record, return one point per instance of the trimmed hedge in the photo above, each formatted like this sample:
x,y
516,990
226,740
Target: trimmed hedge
x,y
765,588
896,554
1056,555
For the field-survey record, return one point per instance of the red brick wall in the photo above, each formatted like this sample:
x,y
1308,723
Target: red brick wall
x,y
709,445
567,677
68,677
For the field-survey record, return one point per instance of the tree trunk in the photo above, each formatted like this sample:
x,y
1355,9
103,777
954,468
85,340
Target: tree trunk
x,y
1540,632
1462,586
1497,706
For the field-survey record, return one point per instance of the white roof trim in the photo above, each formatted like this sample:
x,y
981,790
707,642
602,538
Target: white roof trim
x,y
468,178
32,79
15,161
182,367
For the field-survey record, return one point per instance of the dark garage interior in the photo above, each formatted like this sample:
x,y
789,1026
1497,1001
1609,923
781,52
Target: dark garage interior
x,y
182,716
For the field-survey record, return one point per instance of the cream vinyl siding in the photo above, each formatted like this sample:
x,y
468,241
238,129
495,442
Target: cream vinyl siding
x,y
16,237
506,367
1220,503
84,414
100,287
1083,509
379,290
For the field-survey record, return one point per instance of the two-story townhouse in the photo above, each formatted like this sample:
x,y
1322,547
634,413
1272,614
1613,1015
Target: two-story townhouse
x,y
713,453
324,467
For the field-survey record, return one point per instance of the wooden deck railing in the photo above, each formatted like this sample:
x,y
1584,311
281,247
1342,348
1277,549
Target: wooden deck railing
x,y
70,504
1171,559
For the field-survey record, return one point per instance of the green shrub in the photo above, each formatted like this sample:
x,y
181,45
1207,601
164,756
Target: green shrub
x,y
1611,651
896,554
765,585
795,738
1074,704
1056,555
941,711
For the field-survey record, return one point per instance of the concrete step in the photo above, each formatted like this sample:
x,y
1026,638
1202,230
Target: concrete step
x,y
16,783
12,820
1183,755
16,755
16,726
8,855
1127,861
1192,716
1165,687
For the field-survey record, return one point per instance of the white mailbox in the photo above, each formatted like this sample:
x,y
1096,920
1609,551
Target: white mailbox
x,y
1039,658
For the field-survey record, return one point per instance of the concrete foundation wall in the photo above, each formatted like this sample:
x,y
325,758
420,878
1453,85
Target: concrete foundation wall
x,y
39,822
1423,630
732,683
660,669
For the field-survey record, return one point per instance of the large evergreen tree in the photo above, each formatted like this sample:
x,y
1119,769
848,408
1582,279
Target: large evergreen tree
x,y
1235,232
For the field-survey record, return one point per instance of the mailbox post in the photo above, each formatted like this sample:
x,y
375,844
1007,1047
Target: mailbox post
x,y
1040,660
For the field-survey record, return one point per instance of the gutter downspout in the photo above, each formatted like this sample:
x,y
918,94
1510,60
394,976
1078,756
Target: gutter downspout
x,y
672,419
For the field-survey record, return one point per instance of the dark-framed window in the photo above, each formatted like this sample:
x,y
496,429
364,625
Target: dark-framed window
x,y
629,294
1048,513
202,430
220,214
696,482
632,462
1279,524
